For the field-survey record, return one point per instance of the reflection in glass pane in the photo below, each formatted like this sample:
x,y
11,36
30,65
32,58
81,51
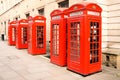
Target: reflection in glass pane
x,y
94,42
39,38
75,41
55,39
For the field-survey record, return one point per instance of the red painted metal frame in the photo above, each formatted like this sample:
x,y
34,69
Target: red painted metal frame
x,y
12,33
85,13
58,19
21,34
32,35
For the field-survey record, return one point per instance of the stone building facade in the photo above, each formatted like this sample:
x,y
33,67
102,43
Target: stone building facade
x,y
18,9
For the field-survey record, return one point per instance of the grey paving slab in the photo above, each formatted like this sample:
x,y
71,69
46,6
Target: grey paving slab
x,y
37,76
17,64
7,75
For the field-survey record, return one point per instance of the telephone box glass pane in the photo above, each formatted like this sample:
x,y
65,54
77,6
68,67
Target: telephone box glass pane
x,y
75,41
55,39
13,34
29,36
94,42
40,36
24,35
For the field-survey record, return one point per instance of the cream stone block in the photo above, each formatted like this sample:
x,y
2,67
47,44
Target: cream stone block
x,y
104,44
114,32
104,38
114,38
110,2
114,7
114,13
104,32
104,13
114,26
114,20
104,7
103,58
118,62
104,20
113,43
104,26
71,2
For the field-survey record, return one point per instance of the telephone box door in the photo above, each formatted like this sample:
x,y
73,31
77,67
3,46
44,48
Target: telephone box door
x,y
24,42
40,36
29,30
37,35
84,56
55,39
24,35
95,45
58,46
75,43
21,36
58,42
12,33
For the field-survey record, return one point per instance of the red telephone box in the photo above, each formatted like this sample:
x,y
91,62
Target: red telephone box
x,y
21,34
58,37
84,38
37,35
12,33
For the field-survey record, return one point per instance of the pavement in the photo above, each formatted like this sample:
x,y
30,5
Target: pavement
x,y
17,64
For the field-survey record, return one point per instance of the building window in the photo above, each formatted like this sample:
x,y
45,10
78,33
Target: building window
x,y
8,21
41,11
1,2
5,26
1,23
27,15
63,4
16,18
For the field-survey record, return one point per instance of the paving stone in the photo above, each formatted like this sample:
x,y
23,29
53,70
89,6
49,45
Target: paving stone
x,y
19,65
37,76
8,75
15,78
118,74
